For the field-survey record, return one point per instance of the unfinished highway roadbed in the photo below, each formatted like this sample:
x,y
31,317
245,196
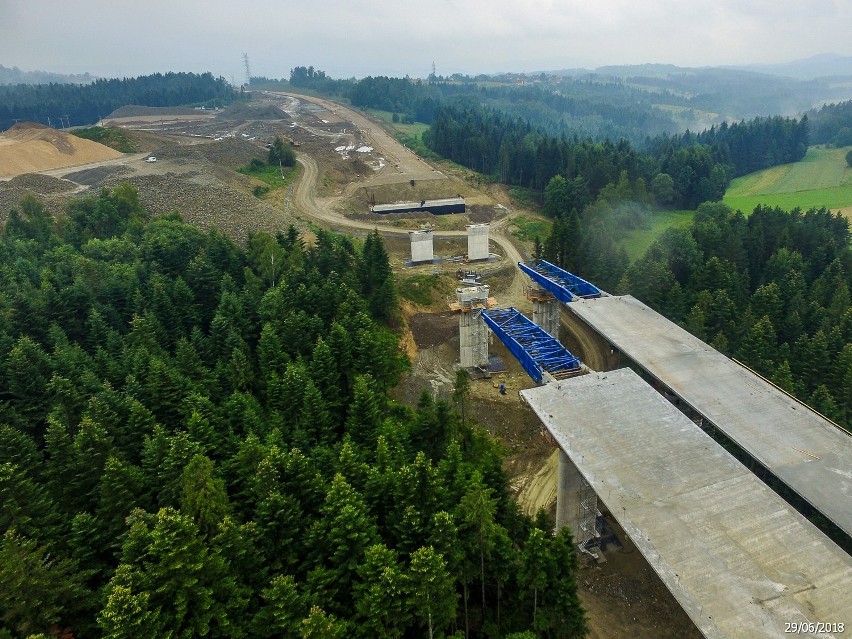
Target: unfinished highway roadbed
x,y
740,561
811,455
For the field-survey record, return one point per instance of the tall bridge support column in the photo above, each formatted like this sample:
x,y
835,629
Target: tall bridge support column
x,y
546,315
473,333
576,502
473,340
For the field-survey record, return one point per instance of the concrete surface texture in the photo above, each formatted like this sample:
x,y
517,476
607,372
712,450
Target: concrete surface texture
x,y
739,560
802,449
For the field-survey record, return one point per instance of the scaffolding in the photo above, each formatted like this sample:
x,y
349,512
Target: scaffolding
x,y
587,532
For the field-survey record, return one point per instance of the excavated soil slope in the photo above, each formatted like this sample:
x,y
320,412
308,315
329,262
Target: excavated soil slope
x,y
28,147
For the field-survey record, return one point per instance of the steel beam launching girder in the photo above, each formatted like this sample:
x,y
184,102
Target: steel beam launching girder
x,y
563,285
536,350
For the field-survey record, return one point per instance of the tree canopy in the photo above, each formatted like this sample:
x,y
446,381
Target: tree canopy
x,y
192,445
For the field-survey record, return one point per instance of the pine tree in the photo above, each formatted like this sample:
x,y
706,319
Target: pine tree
x,y
325,375
567,619
204,497
432,591
477,510
38,589
319,625
128,613
188,587
380,607
283,610
364,417
120,490
535,569
341,536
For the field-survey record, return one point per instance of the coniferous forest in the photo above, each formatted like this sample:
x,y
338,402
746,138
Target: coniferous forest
x,y
771,290
195,440
85,104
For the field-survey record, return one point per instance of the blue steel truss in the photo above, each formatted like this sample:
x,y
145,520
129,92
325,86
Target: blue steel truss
x,y
563,285
535,349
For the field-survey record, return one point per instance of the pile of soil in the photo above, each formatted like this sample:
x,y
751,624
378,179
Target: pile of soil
x,y
28,147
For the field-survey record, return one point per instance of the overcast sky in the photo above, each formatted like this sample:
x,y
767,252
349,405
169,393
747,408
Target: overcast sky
x,y
116,38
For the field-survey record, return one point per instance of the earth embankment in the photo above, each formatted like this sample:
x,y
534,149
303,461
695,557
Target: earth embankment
x,y
29,147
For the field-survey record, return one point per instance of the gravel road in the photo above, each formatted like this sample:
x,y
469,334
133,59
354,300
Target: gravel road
x,y
404,165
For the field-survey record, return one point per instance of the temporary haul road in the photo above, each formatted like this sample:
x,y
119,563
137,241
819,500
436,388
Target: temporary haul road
x,y
410,167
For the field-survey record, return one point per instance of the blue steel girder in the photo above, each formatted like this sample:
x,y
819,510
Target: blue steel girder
x,y
536,350
563,285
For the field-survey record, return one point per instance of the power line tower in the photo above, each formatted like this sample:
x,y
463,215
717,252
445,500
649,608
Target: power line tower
x,y
248,68
434,77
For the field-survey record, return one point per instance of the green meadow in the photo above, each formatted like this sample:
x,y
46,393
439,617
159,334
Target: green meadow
x,y
822,178
637,241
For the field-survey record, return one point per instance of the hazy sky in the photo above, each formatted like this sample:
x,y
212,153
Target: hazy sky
x,y
368,37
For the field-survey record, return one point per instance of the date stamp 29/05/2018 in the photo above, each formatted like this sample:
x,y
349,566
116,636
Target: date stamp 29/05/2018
x,y
814,627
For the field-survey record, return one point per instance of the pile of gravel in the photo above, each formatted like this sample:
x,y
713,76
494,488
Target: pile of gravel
x,y
231,153
39,184
231,211
135,110
241,111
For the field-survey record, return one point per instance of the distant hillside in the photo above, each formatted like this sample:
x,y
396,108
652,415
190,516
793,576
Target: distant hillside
x,y
818,66
733,93
16,76
822,179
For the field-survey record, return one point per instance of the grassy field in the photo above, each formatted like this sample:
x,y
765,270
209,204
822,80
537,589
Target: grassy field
x,y
270,175
822,178
112,137
638,241
527,229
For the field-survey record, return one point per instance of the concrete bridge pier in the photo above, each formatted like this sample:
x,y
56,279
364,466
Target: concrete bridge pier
x,y
546,315
576,503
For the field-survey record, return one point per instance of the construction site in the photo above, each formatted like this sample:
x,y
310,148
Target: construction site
x,y
740,559
611,416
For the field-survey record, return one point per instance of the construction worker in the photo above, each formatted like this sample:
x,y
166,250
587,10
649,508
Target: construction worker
x,y
502,388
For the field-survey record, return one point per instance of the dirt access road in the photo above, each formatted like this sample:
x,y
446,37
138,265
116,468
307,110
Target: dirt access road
x,y
403,165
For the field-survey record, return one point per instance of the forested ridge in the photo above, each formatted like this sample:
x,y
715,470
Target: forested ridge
x,y
87,103
832,124
597,111
195,441
696,168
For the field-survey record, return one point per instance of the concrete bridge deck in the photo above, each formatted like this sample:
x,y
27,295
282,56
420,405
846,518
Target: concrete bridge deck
x,y
801,448
737,557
